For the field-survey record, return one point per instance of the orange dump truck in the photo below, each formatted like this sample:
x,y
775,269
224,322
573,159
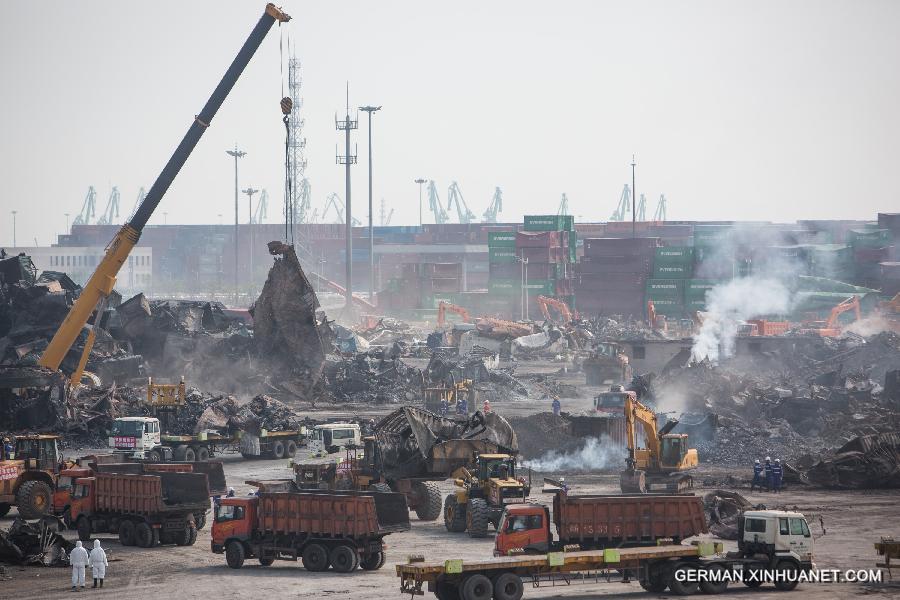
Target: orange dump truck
x,y
342,530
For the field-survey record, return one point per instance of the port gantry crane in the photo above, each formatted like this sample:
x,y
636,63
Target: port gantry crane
x,y
494,208
334,201
455,198
434,203
88,209
624,205
660,215
111,212
262,207
563,206
101,283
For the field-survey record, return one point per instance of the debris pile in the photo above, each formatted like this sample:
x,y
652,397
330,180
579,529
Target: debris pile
x,y
723,509
34,543
871,461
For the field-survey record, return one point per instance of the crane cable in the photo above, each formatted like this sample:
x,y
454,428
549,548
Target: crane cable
x,y
286,108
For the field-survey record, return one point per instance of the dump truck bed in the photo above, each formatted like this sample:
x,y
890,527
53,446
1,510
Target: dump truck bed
x,y
214,471
353,515
164,492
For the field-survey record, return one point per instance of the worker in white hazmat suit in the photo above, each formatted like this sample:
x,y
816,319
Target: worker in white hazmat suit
x,y
78,558
98,563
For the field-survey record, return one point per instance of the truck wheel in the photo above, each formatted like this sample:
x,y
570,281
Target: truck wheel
x,y
266,562
291,449
477,517
682,588
193,538
34,499
656,580
234,554
508,586
84,529
454,514
315,558
278,449
154,456
179,452
202,454
332,449
4,509
344,559
715,583
755,581
789,570
155,538
444,590
126,533
200,520
143,535
428,505
381,488
476,587
190,455
373,562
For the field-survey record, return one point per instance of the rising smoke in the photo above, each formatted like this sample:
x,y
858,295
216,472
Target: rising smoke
x,y
596,453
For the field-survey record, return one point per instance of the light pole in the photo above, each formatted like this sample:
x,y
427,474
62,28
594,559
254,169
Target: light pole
x,y
370,110
165,218
250,191
14,227
420,181
524,262
236,154
67,222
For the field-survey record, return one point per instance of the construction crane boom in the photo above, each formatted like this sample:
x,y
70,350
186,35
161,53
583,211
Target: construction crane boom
x,y
111,212
495,207
88,209
103,280
455,198
434,203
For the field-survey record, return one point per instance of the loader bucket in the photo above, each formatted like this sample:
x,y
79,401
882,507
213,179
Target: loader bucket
x,y
392,512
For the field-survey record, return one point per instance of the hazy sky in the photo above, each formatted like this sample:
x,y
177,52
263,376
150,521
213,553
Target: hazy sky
x,y
735,110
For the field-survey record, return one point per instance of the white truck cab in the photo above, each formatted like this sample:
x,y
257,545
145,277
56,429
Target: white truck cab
x,y
331,437
778,534
137,437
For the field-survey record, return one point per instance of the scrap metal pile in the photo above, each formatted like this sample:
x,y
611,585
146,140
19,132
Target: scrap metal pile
x,y
34,543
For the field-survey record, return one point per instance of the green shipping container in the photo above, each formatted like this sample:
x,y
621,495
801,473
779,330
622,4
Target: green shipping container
x,y
672,271
500,239
549,223
668,306
504,286
697,288
674,255
503,254
869,238
665,288
695,304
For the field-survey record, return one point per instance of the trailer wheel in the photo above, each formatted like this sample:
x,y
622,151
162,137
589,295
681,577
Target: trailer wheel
x,y
476,587
715,583
143,535
291,449
190,455
193,537
373,562
682,588
202,453
84,528
155,538
454,514
656,580
34,499
755,581
200,519
428,504
789,568
444,590
477,517
234,554
344,559
278,449
126,533
154,456
315,558
4,509
508,586
179,453
182,537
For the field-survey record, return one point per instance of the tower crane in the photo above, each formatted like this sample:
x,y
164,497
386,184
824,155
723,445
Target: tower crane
x,y
88,209
455,197
660,214
434,203
563,206
495,207
111,212
624,205
641,209
262,206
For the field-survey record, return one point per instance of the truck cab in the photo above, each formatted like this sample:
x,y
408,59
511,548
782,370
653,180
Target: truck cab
x,y
234,519
776,533
65,487
135,437
524,528
331,437
611,403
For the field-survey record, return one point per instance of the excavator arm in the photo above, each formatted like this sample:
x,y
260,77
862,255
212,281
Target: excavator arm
x,y
103,280
845,306
545,302
636,414
443,307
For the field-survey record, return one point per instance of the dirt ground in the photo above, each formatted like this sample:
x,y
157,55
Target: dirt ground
x,y
853,521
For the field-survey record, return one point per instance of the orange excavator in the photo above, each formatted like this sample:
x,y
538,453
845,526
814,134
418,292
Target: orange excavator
x,y
832,326
561,307
443,307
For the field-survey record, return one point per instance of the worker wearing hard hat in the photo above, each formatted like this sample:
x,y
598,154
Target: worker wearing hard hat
x,y
757,475
777,474
770,481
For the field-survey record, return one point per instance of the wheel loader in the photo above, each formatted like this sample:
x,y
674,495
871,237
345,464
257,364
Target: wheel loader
x,y
28,480
482,493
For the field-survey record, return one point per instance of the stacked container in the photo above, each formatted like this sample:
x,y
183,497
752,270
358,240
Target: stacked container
x,y
613,273
713,251
871,247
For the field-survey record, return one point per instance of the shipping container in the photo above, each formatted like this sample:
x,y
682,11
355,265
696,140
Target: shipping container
x,y
503,254
672,271
869,238
538,239
665,288
674,255
549,222
697,288
501,238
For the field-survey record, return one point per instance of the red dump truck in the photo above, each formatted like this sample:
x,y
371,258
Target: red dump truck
x,y
343,530
145,509
596,521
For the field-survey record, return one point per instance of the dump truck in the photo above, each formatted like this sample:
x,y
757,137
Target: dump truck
x,y
773,547
140,438
589,522
606,365
344,531
156,507
28,480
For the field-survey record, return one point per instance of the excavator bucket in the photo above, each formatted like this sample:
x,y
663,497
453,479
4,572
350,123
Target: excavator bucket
x,y
633,482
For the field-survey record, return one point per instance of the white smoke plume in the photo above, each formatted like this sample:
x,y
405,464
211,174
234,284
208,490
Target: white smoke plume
x,y
596,453
729,304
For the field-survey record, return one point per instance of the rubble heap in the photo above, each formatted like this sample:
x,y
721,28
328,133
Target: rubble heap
x,y
871,461
34,543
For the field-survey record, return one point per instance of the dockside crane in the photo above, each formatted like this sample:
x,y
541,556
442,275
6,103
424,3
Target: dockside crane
x,y
641,209
111,212
434,203
384,215
96,291
140,198
660,214
455,198
563,209
262,206
334,201
624,205
88,209
495,207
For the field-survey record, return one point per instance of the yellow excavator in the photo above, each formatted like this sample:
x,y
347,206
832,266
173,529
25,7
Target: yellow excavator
x,y
664,464
98,288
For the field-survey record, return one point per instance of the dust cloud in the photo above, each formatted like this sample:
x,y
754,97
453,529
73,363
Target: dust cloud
x,y
596,453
